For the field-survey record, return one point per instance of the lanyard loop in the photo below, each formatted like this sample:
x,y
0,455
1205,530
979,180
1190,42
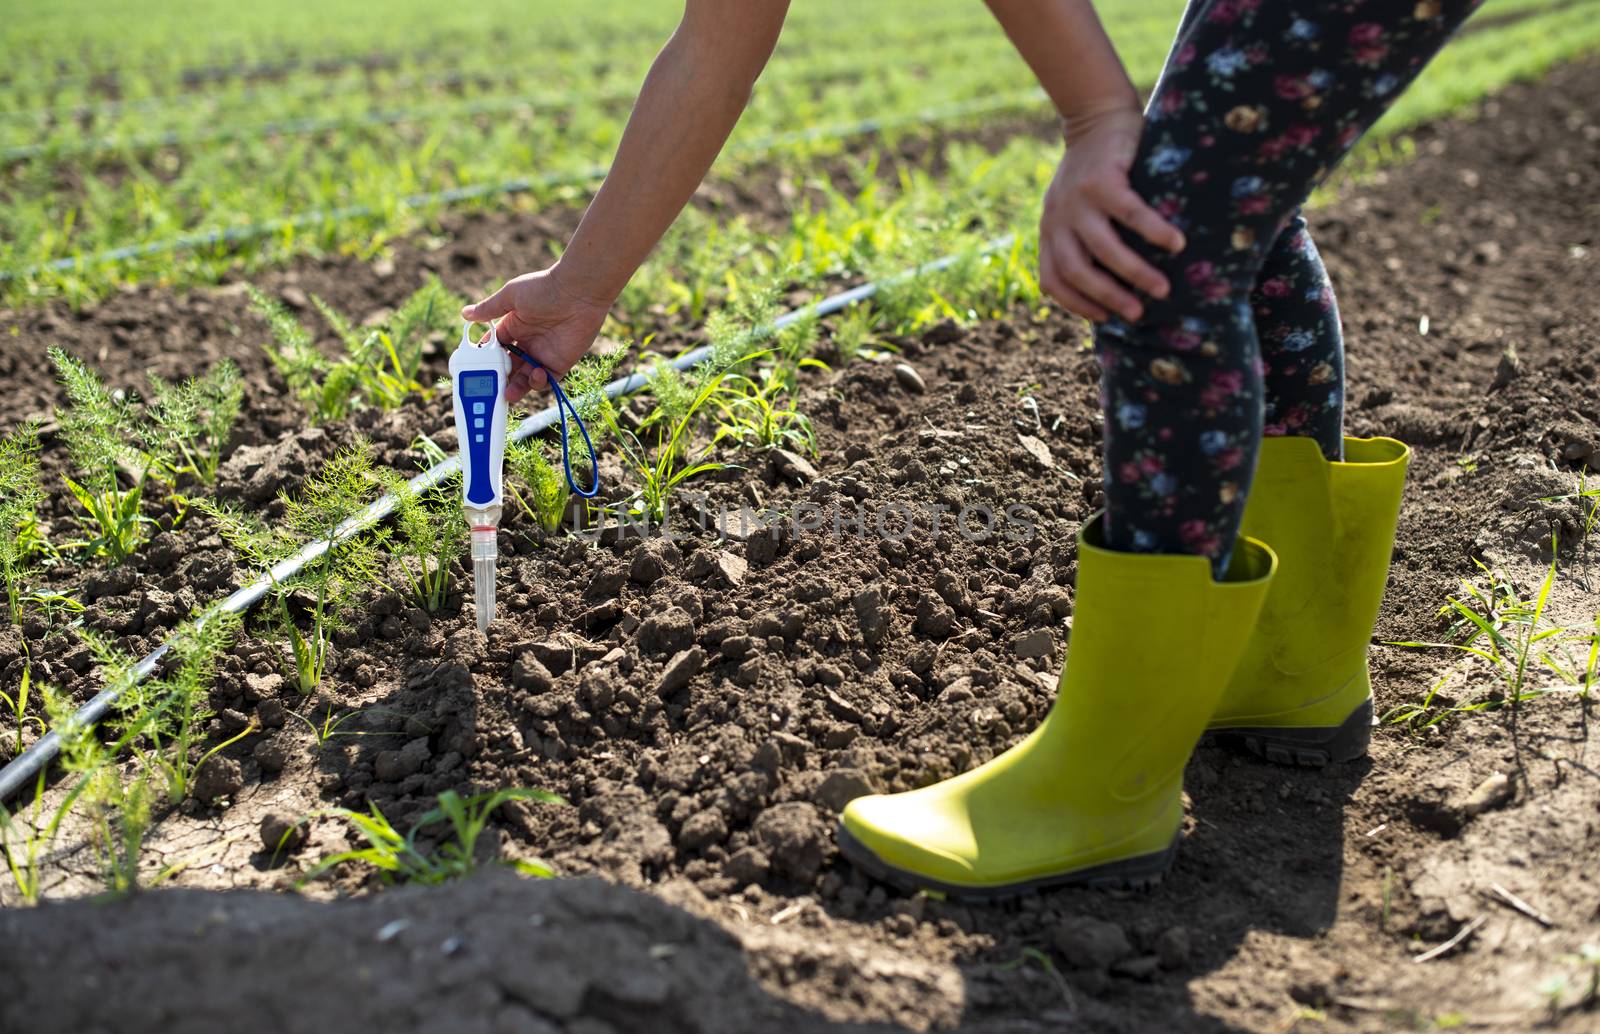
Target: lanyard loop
x,y
564,407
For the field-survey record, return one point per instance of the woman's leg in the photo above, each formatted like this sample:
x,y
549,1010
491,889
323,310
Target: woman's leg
x,y
1302,347
1257,104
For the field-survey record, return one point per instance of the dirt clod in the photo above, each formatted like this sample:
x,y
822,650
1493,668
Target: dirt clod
x,y
219,777
796,839
1085,942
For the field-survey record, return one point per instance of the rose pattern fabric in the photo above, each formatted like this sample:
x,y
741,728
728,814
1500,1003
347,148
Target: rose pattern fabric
x,y
1258,102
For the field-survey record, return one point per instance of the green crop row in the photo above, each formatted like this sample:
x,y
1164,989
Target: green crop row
x,y
350,189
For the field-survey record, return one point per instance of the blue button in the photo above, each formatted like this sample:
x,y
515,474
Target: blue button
x,y
478,438
477,407
477,422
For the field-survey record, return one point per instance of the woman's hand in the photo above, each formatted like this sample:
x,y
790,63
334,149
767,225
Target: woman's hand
x,y
1079,247
543,318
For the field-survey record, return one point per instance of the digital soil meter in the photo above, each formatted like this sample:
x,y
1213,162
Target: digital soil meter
x,y
478,375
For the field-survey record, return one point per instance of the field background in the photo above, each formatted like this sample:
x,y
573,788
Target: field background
x,y
174,141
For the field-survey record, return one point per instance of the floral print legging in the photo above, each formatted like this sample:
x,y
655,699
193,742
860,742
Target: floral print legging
x,y
1258,101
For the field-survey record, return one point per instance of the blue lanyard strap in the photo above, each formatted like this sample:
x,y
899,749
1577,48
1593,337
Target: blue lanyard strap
x,y
564,408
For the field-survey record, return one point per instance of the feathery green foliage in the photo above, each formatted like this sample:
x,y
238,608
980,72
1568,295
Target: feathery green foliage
x,y
109,444
399,859
117,807
196,417
331,581
20,496
324,386
377,367
174,731
538,486
429,536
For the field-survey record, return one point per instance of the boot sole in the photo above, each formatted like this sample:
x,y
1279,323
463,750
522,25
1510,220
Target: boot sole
x,y
1306,748
1141,872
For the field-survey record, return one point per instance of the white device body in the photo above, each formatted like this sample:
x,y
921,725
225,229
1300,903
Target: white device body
x,y
478,374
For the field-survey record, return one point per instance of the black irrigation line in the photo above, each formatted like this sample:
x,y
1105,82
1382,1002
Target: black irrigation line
x,y
520,185
25,767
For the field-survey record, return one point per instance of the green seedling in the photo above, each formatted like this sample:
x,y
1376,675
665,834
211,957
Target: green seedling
x,y
117,808
855,334
660,474
1588,957
1038,958
171,734
326,388
20,496
398,858
430,533
24,842
378,367
1589,498
386,361
18,706
1492,623
196,417
538,486
327,584
330,727
114,454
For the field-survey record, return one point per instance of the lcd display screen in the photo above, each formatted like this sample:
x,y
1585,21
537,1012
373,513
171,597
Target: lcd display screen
x,y
478,385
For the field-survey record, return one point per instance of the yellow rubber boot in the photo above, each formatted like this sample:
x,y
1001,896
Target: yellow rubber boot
x,y
1302,694
1093,795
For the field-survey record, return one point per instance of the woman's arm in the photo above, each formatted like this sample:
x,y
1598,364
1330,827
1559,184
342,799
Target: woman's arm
x,y
690,101
1065,45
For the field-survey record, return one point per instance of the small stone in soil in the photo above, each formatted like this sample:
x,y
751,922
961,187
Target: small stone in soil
x,y
746,866
667,632
274,826
910,379
391,766
1037,643
684,666
1172,947
796,839
935,619
272,753
529,675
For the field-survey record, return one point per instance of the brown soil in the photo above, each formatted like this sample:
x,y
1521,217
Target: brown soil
x,y
823,666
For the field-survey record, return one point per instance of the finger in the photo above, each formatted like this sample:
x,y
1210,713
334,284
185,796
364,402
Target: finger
x,y
1129,209
1109,250
492,307
1075,303
1081,274
524,379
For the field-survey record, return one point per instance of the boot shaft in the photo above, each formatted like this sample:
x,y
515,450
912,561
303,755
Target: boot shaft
x,y
1332,525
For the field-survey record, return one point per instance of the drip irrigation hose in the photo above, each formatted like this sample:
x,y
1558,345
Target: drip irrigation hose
x,y
520,185
25,767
